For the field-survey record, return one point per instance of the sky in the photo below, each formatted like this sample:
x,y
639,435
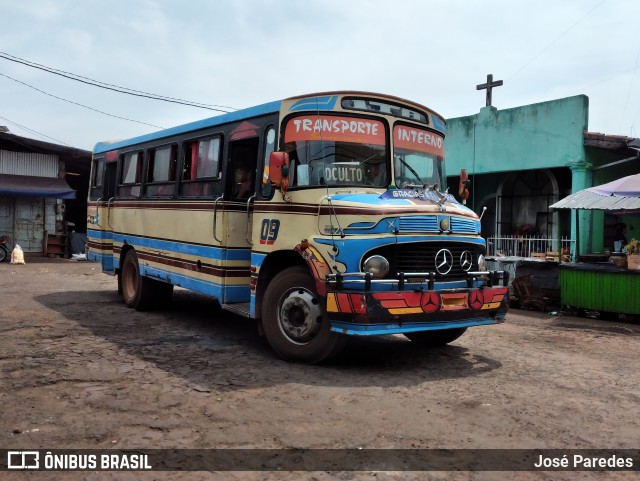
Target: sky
x,y
241,53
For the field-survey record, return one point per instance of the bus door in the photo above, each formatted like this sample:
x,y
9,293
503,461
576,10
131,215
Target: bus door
x,y
237,216
110,180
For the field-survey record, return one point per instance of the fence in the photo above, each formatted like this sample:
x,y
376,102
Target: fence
x,y
520,246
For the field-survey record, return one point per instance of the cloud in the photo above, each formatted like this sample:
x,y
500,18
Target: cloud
x,y
246,52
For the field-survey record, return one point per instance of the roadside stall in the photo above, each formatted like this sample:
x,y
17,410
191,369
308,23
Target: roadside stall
x,y
606,282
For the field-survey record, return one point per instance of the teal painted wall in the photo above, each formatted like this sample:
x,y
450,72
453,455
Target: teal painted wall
x,y
544,135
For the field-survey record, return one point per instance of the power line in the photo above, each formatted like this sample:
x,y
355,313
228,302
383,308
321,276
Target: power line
x,y
78,104
34,131
112,87
606,79
556,39
626,102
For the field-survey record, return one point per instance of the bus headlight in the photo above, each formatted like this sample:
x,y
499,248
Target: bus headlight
x,y
482,264
377,266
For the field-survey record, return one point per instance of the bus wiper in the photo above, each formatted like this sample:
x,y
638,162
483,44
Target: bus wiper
x,y
402,161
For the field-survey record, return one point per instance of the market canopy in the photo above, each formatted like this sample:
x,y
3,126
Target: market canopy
x,y
621,195
31,186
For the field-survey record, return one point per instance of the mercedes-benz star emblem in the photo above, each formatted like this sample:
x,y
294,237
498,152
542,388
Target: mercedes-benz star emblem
x,y
444,261
466,261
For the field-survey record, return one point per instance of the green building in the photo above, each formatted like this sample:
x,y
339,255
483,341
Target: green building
x,y
522,160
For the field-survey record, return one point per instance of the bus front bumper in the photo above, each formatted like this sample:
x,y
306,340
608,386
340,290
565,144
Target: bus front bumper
x,y
379,312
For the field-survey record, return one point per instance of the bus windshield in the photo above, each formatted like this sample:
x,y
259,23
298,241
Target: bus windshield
x,y
418,156
329,150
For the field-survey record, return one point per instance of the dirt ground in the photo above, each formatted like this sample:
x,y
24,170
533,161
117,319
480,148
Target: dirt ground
x,y
78,369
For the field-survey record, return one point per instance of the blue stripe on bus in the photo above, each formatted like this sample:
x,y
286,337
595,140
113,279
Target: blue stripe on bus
x,y
99,234
363,244
372,199
252,305
264,109
257,259
315,103
231,293
445,239
353,328
106,260
209,252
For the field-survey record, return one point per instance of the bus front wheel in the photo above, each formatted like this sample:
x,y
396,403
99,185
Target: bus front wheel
x,y
294,321
435,338
140,292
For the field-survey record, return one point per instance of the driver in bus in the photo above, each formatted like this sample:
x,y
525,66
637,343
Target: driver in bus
x,y
377,175
244,184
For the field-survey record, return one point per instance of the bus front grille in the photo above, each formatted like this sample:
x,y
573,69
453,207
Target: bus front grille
x,y
421,257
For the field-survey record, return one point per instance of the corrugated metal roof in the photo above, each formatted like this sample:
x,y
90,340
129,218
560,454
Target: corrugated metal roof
x,y
585,199
619,195
28,163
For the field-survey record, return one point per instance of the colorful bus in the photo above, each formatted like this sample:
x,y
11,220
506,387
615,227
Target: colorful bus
x,y
323,216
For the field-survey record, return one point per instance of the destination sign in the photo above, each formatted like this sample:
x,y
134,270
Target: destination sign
x,y
411,138
335,128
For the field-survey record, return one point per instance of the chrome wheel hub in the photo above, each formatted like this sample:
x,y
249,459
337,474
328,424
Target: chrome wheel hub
x,y
300,315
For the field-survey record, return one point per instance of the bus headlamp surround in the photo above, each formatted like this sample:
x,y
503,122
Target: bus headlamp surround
x,y
482,264
377,266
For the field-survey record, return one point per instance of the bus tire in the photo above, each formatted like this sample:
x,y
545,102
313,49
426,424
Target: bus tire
x,y
294,322
138,291
435,338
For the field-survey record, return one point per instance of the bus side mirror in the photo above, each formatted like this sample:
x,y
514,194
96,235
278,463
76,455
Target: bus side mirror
x,y
463,189
279,170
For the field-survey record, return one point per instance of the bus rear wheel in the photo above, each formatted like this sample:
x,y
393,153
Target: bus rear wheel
x,y
435,338
294,321
140,292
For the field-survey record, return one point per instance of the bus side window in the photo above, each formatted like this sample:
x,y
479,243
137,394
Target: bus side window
x,y
208,158
201,167
97,179
188,166
161,171
130,174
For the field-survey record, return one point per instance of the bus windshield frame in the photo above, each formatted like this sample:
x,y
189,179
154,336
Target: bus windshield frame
x,y
337,151
418,157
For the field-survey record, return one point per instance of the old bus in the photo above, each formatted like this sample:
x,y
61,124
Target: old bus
x,y
322,216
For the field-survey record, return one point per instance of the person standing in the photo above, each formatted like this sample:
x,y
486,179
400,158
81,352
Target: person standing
x,y
620,236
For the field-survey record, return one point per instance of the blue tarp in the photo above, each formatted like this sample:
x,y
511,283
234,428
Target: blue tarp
x,y
30,186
